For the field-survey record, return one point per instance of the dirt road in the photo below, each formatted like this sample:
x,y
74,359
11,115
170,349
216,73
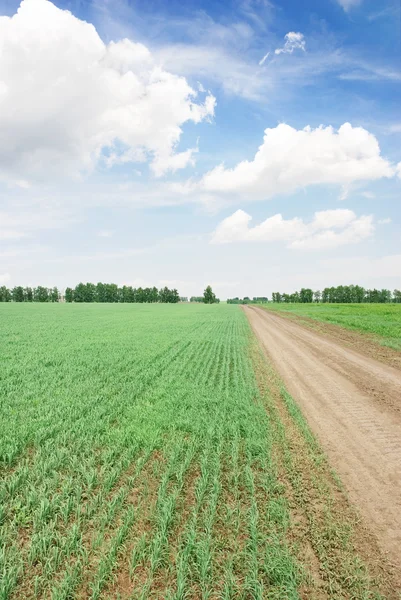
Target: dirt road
x,y
353,405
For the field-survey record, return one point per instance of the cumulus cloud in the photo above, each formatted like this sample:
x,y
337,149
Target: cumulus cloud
x,y
327,229
290,159
293,41
67,99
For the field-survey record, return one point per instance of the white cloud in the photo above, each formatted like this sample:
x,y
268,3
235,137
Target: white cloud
x,y
290,159
328,229
348,4
369,195
4,278
385,221
293,41
106,233
66,97
262,60
370,72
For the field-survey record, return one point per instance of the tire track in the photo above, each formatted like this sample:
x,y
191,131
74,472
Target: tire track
x,y
352,404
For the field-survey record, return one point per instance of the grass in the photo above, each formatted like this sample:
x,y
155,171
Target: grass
x,y
149,452
383,321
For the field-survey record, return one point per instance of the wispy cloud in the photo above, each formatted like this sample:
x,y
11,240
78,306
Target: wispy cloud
x,y
263,60
386,13
394,128
348,4
366,72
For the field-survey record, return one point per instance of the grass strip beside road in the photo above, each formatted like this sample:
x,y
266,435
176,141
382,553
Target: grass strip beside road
x,y
380,321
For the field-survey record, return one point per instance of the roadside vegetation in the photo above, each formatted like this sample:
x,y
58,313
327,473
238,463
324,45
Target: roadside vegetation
x,y
151,452
383,321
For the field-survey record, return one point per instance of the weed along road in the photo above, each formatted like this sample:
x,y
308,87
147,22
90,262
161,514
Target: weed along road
x,y
353,405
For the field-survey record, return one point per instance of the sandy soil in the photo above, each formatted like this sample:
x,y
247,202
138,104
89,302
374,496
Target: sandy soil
x,y
353,404
364,342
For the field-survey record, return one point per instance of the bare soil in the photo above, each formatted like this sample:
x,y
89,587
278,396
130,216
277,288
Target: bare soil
x,y
366,343
352,403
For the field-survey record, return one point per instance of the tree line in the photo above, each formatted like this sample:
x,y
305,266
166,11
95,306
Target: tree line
x,y
89,292
247,300
101,292
209,297
342,294
111,292
29,294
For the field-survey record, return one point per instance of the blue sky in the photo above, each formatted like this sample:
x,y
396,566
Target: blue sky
x,y
253,145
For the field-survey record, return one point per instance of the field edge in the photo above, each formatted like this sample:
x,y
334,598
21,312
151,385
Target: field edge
x,y
332,540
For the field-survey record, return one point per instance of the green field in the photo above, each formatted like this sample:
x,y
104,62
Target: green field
x,y
149,451
380,320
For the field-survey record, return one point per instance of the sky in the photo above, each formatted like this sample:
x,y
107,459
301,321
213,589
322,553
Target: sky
x,y
254,145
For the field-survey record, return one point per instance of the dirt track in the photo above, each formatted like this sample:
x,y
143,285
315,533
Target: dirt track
x,y
353,405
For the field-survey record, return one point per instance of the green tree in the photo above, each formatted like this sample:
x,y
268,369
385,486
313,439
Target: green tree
x,y
18,294
28,292
80,293
69,294
359,293
164,294
126,294
100,292
41,294
208,296
54,295
5,294
397,296
174,296
140,295
306,295
385,296
90,292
